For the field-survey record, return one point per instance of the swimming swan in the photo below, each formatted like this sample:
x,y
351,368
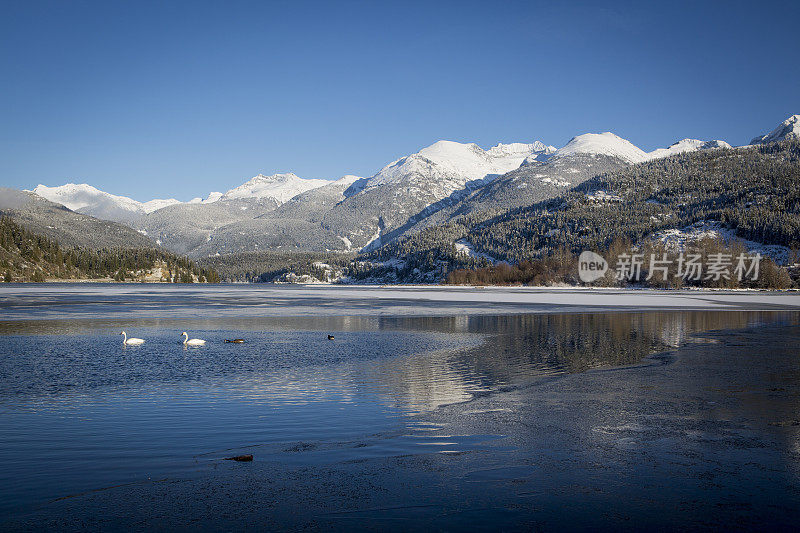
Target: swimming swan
x,y
192,342
133,341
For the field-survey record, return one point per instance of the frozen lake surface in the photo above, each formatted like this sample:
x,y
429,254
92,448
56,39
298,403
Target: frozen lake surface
x,y
429,408
88,300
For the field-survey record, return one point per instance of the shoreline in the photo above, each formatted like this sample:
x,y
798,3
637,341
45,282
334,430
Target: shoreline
x,y
110,281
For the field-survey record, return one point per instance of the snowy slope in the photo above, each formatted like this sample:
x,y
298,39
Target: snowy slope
x,y
686,145
280,187
210,199
606,144
348,180
788,129
154,205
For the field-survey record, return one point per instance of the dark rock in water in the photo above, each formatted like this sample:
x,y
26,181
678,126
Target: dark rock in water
x,y
330,337
235,341
240,458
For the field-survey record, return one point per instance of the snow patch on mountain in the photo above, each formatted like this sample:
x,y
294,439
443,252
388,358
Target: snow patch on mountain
x,y
534,149
606,144
373,243
555,181
677,239
464,247
347,244
280,187
788,129
601,197
686,145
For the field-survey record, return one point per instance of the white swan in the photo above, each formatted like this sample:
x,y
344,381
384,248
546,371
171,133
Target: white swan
x,y
133,341
192,342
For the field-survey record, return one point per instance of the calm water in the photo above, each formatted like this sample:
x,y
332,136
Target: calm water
x,y
80,412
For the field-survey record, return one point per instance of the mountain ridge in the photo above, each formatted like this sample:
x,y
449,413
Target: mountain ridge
x,y
441,181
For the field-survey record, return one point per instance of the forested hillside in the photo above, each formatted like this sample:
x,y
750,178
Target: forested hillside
x,y
28,256
753,191
67,227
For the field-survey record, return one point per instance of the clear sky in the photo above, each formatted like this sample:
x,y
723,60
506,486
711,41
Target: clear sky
x,y
175,99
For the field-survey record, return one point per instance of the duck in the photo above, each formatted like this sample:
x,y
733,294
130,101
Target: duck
x,y
192,342
133,341
235,341
330,337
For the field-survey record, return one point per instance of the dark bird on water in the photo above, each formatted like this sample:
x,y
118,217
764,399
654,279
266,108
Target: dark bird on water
x,y
330,337
235,341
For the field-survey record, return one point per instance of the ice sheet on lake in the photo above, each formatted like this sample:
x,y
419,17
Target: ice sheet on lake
x,y
86,300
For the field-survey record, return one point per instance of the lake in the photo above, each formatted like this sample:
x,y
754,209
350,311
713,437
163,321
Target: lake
x,y
587,418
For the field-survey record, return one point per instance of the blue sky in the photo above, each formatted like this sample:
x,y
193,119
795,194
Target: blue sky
x,y
174,99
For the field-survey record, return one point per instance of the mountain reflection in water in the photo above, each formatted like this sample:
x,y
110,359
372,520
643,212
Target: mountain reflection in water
x,y
411,363
73,397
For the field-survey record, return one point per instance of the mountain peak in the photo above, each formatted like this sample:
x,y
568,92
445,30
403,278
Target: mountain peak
x,y
533,149
210,199
457,163
686,145
606,143
92,201
788,129
280,187
449,149
71,195
348,180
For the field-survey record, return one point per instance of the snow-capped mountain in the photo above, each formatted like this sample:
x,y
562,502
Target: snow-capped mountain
x,y
446,166
83,198
686,145
280,187
544,175
241,219
788,129
65,226
593,144
408,186
611,145
295,224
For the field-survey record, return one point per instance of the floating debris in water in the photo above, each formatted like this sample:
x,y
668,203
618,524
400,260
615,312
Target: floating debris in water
x,y
240,458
